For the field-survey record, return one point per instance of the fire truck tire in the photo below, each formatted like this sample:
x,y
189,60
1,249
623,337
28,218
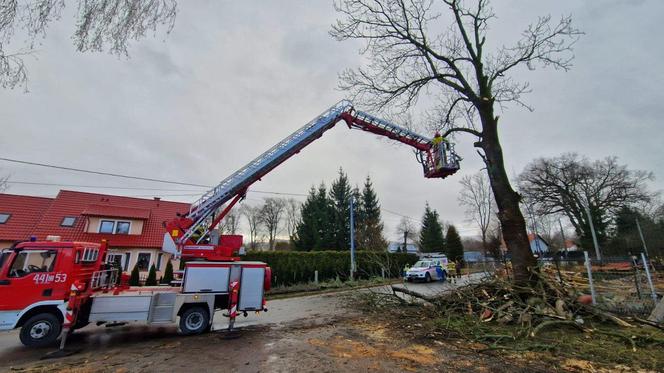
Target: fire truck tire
x,y
40,330
194,320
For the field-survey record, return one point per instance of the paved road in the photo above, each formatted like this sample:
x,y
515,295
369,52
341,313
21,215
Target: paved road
x,y
436,288
282,312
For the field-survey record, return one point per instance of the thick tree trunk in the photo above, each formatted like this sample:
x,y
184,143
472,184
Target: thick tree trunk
x,y
513,225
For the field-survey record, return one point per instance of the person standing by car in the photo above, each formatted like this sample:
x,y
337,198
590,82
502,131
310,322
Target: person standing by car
x,y
440,273
457,264
451,268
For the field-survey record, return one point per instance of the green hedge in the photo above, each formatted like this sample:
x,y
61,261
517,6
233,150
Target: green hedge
x,y
292,267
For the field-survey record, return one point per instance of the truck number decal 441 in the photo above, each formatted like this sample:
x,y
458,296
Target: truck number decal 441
x,y
47,278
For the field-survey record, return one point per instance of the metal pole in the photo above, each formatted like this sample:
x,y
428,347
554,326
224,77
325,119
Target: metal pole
x,y
643,241
652,288
592,230
562,233
590,277
352,239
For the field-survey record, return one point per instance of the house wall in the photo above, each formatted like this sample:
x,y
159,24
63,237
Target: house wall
x,y
136,226
5,244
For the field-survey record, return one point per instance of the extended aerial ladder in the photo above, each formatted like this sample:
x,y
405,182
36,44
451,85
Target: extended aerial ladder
x,y
190,236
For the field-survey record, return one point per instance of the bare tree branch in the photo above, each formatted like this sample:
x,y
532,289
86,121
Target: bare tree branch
x,y
100,25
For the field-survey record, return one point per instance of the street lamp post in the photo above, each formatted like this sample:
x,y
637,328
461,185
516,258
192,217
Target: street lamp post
x,y
352,239
592,231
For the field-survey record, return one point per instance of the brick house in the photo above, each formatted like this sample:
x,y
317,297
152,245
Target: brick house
x,y
133,227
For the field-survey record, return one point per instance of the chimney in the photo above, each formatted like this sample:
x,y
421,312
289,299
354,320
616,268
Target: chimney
x,y
157,199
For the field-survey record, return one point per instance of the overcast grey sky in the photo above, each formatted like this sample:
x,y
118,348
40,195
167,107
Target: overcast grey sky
x,y
234,78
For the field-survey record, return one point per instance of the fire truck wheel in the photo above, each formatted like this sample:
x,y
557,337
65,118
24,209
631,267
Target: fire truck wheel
x,y
194,321
40,330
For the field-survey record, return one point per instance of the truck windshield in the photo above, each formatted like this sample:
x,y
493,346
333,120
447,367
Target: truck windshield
x,y
31,261
3,257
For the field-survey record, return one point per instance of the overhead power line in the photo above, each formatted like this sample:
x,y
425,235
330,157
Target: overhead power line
x,y
101,173
99,186
147,179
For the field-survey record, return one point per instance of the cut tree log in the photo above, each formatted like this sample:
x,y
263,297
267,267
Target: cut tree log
x,y
412,293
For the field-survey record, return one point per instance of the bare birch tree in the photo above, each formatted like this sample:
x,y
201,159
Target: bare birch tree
x,y
407,56
476,197
99,25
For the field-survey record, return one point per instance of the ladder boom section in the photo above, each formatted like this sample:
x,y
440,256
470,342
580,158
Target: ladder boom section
x,y
239,181
370,123
438,158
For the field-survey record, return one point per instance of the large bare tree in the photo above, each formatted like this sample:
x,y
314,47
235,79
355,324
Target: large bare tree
x,y
271,215
439,48
230,224
254,222
292,215
406,230
570,184
477,198
99,25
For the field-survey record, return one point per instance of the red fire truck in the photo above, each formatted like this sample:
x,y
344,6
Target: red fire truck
x,y
50,288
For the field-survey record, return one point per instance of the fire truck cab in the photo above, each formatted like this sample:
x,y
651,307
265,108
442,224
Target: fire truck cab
x,y
35,282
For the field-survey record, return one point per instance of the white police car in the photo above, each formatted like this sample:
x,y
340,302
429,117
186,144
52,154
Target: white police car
x,y
427,271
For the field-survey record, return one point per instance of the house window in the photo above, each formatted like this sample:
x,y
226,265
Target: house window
x,y
143,261
116,259
106,226
159,261
4,218
122,227
126,264
68,221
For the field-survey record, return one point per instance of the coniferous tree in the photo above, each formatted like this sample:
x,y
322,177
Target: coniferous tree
x,y
370,225
306,232
168,274
152,277
453,245
325,221
431,234
340,194
134,278
315,230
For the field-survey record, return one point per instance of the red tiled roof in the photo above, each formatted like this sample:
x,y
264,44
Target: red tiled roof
x,y
70,203
25,212
116,212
